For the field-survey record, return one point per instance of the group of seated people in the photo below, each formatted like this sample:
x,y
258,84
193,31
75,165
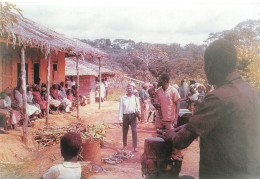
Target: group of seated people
x,y
61,99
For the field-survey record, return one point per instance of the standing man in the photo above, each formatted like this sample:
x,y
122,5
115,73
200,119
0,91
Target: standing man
x,y
170,103
227,121
129,108
143,103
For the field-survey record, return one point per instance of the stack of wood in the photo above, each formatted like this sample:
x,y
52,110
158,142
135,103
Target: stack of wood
x,y
52,135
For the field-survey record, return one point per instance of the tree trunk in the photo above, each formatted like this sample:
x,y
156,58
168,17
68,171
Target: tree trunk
x,y
99,83
23,79
77,67
48,88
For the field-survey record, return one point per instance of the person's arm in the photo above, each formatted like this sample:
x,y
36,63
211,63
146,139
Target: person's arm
x,y
180,137
120,112
176,99
177,103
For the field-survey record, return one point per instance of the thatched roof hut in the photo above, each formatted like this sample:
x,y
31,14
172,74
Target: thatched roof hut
x,y
31,34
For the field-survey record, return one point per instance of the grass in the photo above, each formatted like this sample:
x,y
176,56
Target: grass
x,y
115,94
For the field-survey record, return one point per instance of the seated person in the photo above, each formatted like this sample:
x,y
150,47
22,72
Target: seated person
x,y
70,146
30,109
71,98
66,103
30,101
10,117
55,92
39,100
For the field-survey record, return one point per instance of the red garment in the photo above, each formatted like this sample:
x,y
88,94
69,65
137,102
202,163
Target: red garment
x,y
37,98
70,97
55,93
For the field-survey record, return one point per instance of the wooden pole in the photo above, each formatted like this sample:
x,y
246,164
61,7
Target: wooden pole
x,y
23,79
99,83
77,67
48,87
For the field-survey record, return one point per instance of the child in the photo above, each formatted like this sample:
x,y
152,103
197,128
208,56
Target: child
x,y
70,147
156,103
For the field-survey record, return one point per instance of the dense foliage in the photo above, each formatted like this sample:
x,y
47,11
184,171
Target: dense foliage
x,y
145,61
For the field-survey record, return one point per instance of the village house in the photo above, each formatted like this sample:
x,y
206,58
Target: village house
x,y
38,41
88,76
31,53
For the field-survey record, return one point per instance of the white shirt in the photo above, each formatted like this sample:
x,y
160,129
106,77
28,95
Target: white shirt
x,y
66,170
128,105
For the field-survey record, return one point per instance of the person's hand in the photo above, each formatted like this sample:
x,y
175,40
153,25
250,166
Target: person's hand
x,y
167,135
121,123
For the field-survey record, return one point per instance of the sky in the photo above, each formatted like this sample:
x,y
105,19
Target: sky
x,y
161,21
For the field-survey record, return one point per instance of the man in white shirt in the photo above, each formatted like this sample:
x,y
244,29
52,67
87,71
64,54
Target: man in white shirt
x,y
129,106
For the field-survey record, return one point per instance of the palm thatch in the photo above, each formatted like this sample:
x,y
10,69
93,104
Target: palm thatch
x,y
31,34
85,68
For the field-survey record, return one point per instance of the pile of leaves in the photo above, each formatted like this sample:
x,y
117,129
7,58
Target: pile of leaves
x,y
52,135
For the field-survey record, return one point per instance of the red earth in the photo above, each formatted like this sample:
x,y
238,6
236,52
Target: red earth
x,y
27,161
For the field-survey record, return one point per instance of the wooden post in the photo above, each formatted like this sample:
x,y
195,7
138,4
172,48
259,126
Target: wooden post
x,y
25,117
48,87
99,83
77,67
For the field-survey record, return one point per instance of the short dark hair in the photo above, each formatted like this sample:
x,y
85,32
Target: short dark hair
x,y
165,77
70,145
222,56
150,90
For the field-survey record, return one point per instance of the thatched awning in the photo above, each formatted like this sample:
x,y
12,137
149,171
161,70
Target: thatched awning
x,y
85,68
31,34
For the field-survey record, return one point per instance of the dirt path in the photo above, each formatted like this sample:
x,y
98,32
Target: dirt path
x,y
30,162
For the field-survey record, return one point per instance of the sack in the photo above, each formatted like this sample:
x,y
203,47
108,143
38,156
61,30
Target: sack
x,y
138,115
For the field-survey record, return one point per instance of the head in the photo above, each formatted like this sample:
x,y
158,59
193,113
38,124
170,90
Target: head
x,y
152,92
62,84
201,88
133,84
155,84
192,90
163,79
3,95
192,82
29,89
182,81
220,60
44,85
129,89
36,88
145,86
69,92
70,145
71,78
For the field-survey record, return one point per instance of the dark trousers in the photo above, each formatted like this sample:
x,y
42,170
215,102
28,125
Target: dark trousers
x,y
129,119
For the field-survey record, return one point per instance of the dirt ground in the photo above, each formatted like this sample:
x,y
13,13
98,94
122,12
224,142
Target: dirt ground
x,y
18,160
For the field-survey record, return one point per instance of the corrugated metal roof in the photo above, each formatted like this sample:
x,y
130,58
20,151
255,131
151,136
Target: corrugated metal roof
x,y
85,68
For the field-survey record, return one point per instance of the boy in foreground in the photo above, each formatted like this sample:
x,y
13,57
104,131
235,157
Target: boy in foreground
x,y
70,169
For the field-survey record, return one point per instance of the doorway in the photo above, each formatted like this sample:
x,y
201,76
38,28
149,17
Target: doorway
x,y
36,73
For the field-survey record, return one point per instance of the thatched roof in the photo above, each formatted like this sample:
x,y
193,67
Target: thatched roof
x,y
85,68
29,33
